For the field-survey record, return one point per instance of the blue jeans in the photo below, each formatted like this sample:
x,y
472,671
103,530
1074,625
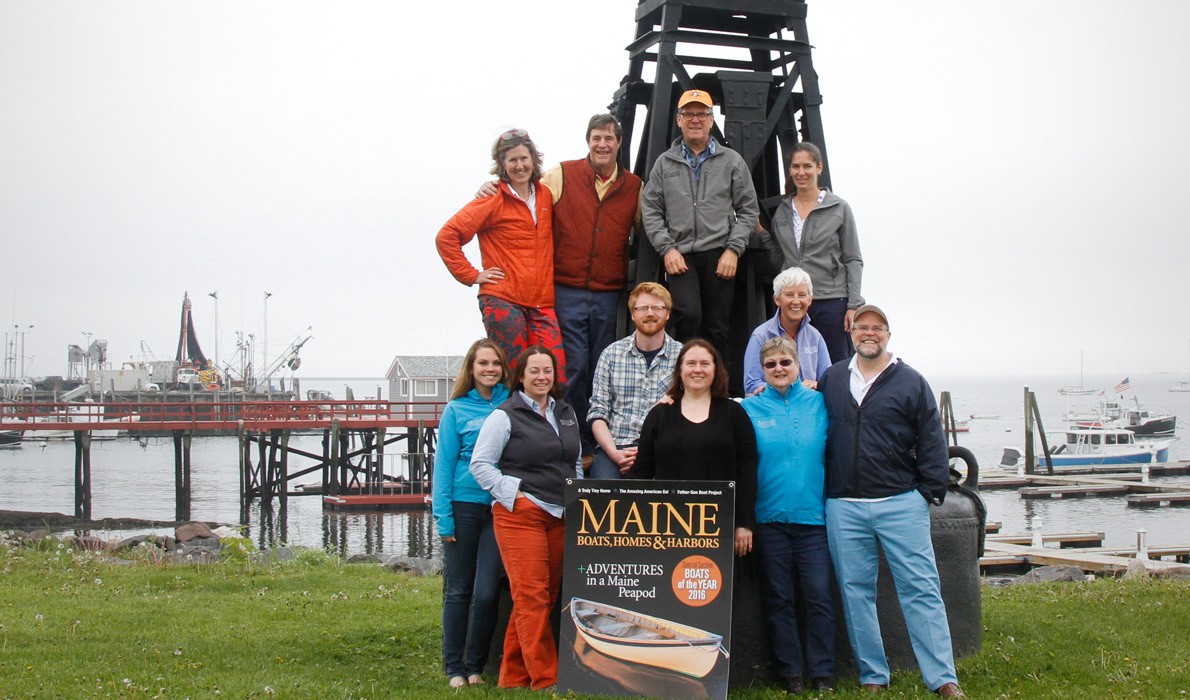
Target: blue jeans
x,y
795,558
602,466
901,525
588,323
472,594
826,315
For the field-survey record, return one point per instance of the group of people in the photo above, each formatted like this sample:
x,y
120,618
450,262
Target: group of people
x,y
831,453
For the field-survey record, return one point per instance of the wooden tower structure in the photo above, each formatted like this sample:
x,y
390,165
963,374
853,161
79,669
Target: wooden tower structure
x,y
754,58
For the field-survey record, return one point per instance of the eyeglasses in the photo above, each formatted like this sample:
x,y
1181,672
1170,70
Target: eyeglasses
x,y
696,116
654,308
772,364
514,134
873,329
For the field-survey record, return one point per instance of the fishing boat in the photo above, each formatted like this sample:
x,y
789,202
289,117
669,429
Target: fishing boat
x,y
1114,414
1080,447
647,640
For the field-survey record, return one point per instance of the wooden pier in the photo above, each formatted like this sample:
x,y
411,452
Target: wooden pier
x,y
1129,480
355,459
1085,549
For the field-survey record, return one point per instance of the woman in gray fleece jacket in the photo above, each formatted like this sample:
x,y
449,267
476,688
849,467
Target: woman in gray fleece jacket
x,y
816,231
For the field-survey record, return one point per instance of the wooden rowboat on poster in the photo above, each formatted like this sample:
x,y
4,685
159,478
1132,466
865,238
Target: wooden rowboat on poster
x,y
644,639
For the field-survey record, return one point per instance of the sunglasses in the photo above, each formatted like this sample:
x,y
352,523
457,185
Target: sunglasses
x,y
514,134
772,364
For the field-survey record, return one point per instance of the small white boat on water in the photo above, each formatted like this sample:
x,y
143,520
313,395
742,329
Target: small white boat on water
x,y
84,412
1081,446
1180,386
644,639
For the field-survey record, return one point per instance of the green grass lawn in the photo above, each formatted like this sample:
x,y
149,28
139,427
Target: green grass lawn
x,y
74,626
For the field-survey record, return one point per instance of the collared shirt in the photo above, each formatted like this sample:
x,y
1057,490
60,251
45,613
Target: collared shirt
x,y
695,161
797,221
860,385
531,201
626,386
493,437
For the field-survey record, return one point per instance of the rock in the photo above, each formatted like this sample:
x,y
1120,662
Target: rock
x,y
34,536
1136,569
210,544
187,555
1179,573
190,531
363,559
162,541
1046,574
88,543
998,581
411,565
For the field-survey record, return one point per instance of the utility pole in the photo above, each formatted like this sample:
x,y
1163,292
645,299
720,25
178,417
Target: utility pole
x,y
215,295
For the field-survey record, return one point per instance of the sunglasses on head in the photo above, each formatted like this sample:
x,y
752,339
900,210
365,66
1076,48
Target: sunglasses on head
x,y
772,364
514,134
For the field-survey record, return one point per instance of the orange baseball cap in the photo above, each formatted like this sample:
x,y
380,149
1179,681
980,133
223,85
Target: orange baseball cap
x,y
695,96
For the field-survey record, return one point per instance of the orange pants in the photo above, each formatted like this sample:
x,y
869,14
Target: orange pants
x,y
531,543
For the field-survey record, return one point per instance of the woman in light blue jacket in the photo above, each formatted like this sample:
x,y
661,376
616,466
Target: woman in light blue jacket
x,y
790,535
463,514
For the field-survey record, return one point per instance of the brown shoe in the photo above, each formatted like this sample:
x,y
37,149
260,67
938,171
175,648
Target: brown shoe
x,y
873,688
950,690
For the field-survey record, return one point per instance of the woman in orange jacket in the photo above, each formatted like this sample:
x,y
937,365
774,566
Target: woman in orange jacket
x,y
516,248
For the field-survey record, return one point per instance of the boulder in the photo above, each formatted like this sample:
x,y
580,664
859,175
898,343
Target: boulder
x,y
1136,569
191,531
129,543
88,543
1178,573
411,565
1047,574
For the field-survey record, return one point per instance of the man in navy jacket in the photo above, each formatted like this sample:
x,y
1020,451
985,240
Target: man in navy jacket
x,y
886,464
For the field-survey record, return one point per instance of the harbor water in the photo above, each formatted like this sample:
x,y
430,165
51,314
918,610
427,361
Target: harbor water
x,y
135,479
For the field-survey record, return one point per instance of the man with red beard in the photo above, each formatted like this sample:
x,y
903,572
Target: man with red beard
x,y
632,375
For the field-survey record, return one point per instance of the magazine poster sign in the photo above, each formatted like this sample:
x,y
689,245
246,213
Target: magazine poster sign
x,y
646,588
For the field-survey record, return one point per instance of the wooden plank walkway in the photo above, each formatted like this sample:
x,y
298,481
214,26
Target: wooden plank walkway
x,y
992,479
1063,539
1157,500
1001,552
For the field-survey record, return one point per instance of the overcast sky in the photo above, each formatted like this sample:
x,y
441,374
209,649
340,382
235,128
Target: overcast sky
x,y
1016,169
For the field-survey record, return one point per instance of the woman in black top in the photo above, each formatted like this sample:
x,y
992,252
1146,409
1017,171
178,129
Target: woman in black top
x,y
702,435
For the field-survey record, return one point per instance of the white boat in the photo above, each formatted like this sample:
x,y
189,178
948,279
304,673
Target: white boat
x,y
1079,447
1114,414
79,413
1180,386
644,639
1079,390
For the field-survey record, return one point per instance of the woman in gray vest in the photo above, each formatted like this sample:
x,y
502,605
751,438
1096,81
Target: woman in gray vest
x,y
525,452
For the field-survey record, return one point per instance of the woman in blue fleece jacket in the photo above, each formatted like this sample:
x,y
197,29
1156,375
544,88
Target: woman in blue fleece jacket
x,y
790,423
463,514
